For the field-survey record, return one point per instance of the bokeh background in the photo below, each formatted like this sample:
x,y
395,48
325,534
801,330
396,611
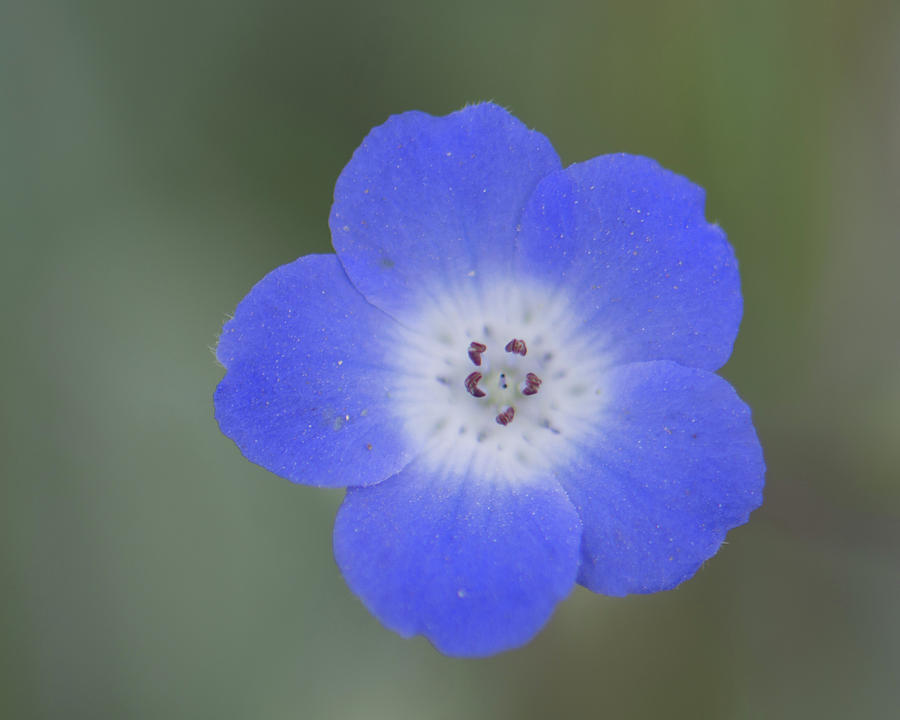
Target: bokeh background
x,y
157,158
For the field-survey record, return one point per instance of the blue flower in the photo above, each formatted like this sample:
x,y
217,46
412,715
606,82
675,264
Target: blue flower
x,y
510,366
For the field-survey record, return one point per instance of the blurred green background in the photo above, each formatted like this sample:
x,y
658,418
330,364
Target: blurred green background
x,y
156,159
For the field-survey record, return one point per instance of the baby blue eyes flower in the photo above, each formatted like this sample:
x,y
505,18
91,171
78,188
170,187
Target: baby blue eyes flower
x,y
510,366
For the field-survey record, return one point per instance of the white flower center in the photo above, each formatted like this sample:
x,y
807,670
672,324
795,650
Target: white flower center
x,y
499,383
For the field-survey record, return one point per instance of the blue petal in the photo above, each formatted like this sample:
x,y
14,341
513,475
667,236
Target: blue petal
x,y
306,392
477,567
429,205
630,242
674,465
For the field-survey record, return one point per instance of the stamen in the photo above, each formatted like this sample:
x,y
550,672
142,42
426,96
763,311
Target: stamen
x,y
516,346
506,417
472,385
475,350
531,385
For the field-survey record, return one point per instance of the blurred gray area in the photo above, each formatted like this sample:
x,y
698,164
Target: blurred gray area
x,y
156,159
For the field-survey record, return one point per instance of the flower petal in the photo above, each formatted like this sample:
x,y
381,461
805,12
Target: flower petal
x,y
674,465
630,240
429,205
477,567
306,394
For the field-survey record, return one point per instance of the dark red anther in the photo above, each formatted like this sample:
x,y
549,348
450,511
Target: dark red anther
x,y
506,417
516,346
532,383
475,350
472,385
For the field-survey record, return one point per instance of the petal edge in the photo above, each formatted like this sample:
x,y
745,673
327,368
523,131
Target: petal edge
x,y
476,568
306,390
650,272
676,465
432,203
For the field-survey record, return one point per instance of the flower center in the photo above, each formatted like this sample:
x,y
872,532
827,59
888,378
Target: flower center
x,y
505,385
499,383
